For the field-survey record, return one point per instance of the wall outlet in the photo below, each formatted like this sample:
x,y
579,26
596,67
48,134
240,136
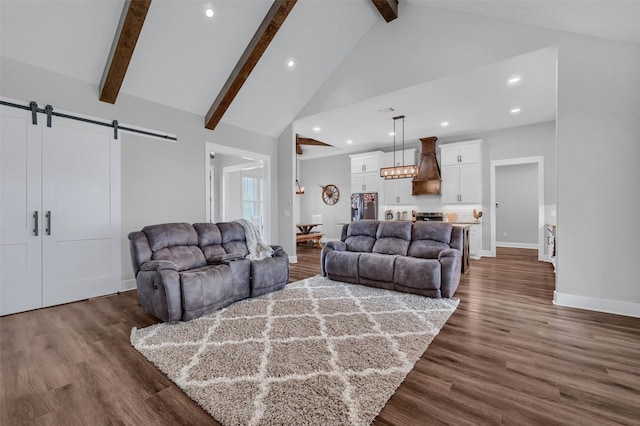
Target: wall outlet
x,y
504,235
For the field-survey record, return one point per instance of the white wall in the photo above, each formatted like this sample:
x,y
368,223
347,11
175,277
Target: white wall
x,y
516,142
598,175
517,197
323,171
286,192
161,181
598,113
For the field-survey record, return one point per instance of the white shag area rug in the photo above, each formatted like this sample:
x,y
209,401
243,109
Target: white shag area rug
x,y
318,352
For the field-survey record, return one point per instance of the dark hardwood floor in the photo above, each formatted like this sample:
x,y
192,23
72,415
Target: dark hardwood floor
x,y
506,356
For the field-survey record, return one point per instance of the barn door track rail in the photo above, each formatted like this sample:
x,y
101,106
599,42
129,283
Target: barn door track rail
x,y
48,110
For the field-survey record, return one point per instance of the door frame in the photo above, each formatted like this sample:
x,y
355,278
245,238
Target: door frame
x,y
266,161
539,161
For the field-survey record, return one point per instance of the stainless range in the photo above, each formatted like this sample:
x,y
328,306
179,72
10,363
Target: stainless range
x,y
430,216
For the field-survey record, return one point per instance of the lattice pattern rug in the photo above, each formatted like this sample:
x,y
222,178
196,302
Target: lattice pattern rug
x,y
317,352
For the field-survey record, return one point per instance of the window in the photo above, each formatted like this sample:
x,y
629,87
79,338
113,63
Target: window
x,y
252,200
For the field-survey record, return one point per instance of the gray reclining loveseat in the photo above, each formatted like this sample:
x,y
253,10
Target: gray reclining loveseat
x,y
422,257
184,271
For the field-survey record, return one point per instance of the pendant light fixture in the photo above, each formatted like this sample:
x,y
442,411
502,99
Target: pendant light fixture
x,y
403,171
299,189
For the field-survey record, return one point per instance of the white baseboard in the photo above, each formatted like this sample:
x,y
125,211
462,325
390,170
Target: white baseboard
x,y
293,259
487,253
127,285
517,245
609,306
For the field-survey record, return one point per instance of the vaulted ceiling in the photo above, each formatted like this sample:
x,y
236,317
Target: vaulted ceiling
x,y
183,58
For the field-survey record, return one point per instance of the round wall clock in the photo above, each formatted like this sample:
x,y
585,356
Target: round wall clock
x,y
330,194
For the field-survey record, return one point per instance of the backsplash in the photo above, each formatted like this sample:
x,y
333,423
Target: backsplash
x,y
464,212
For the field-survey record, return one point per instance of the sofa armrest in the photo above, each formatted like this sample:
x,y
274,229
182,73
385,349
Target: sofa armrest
x,y
450,270
330,246
278,250
336,245
449,253
158,265
159,291
223,258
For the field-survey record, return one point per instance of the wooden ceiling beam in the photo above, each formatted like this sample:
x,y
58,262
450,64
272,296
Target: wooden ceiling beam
x,y
308,141
133,15
301,140
252,54
387,8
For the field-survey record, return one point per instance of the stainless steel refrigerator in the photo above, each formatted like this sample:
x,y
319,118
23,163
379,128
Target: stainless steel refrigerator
x,y
364,206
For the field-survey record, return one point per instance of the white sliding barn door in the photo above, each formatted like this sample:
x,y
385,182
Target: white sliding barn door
x,y
70,175
81,212
20,199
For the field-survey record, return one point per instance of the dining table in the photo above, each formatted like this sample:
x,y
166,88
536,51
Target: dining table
x,y
306,228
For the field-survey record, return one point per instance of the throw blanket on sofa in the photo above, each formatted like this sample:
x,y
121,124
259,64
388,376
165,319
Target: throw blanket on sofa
x,y
257,249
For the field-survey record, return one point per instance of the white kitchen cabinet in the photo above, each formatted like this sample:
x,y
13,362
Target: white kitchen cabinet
x,y
461,173
460,153
398,191
363,163
365,172
365,182
475,240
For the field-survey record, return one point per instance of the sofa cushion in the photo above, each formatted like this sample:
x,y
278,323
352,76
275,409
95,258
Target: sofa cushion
x,y
208,234
361,235
185,257
233,239
170,234
210,241
426,249
376,267
342,266
269,275
436,231
210,286
419,274
429,238
393,238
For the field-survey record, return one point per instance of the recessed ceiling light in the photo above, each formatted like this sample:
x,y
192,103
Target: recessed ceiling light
x,y
444,124
515,111
316,129
514,80
291,63
209,12
349,141
391,134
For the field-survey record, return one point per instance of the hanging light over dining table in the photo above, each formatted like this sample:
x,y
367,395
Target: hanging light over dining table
x,y
405,171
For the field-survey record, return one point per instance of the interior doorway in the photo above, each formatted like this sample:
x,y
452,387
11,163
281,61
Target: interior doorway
x,y
238,186
536,217
517,206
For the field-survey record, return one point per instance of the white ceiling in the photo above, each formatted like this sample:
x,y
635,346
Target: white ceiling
x,y
610,19
476,100
183,59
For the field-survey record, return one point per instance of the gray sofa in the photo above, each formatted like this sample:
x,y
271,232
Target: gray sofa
x,y
184,271
422,257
